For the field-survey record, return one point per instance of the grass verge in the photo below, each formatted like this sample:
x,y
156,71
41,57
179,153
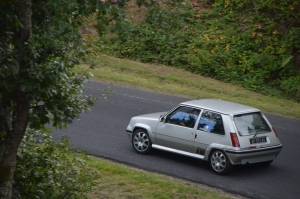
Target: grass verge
x,y
120,181
182,83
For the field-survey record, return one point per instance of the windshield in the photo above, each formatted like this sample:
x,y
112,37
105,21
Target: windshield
x,y
251,124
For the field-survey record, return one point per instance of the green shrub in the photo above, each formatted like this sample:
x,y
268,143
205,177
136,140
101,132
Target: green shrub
x,y
47,169
251,43
292,87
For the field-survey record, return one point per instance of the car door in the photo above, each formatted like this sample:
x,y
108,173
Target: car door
x,y
177,130
210,130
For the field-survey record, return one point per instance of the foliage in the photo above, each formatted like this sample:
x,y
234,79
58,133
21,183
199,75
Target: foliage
x,y
47,169
40,43
254,43
55,48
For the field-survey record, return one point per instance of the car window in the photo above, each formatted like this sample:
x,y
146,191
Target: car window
x,y
251,123
211,122
183,116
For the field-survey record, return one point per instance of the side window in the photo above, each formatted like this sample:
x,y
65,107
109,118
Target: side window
x,y
211,122
183,116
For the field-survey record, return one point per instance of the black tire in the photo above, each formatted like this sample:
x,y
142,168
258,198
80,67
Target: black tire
x,y
141,141
219,162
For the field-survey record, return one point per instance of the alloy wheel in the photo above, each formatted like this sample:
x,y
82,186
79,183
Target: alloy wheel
x,y
141,141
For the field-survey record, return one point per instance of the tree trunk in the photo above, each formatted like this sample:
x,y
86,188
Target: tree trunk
x,y
12,134
6,175
10,145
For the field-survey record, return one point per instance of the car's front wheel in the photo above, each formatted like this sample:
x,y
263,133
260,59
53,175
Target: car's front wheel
x,y
219,162
141,141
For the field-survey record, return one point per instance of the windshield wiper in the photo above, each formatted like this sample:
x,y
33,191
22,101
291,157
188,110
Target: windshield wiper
x,y
258,130
255,134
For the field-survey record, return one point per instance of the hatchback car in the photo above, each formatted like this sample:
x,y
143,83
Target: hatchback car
x,y
221,132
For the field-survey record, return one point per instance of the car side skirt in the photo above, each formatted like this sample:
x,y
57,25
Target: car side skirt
x,y
155,146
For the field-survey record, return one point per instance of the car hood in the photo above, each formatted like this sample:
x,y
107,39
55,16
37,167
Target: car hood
x,y
148,121
154,116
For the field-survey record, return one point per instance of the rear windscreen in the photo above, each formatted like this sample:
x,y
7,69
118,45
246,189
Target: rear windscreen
x,y
251,124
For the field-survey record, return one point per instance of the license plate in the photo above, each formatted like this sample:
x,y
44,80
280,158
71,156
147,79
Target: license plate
x,y
258,140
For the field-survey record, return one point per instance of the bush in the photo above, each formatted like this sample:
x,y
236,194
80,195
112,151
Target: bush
x,y
292,87
251,43
47,169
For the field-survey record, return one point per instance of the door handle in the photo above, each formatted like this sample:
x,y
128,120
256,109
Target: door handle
x,y
195,135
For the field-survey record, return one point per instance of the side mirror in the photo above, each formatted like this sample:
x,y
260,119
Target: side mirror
x,y
161,118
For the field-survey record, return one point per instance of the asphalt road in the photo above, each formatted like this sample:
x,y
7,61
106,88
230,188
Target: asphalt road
x,y
101,132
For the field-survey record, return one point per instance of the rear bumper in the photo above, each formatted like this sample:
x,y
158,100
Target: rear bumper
x,y
253,155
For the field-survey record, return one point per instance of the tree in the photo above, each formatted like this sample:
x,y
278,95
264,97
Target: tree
x,y
40,43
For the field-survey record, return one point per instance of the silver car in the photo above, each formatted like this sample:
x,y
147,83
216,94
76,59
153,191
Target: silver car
x,y
221,132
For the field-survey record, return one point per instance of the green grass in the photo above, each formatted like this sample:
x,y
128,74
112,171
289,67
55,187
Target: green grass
x,y
120,181
182,83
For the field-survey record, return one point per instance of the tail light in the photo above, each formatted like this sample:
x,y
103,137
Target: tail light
x,y
274,132
234,140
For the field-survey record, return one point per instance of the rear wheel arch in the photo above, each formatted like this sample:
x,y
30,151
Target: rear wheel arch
x,y
212,147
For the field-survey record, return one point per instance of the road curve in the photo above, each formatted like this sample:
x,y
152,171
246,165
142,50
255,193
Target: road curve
x,y
101,132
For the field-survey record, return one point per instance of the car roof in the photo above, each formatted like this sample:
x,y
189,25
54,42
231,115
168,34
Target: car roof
x,y
221,106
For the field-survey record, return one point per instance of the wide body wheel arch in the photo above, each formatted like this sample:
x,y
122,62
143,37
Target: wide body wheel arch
x,y
146,128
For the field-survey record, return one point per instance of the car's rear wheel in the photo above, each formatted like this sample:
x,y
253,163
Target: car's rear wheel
x,y
219,162
141,141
